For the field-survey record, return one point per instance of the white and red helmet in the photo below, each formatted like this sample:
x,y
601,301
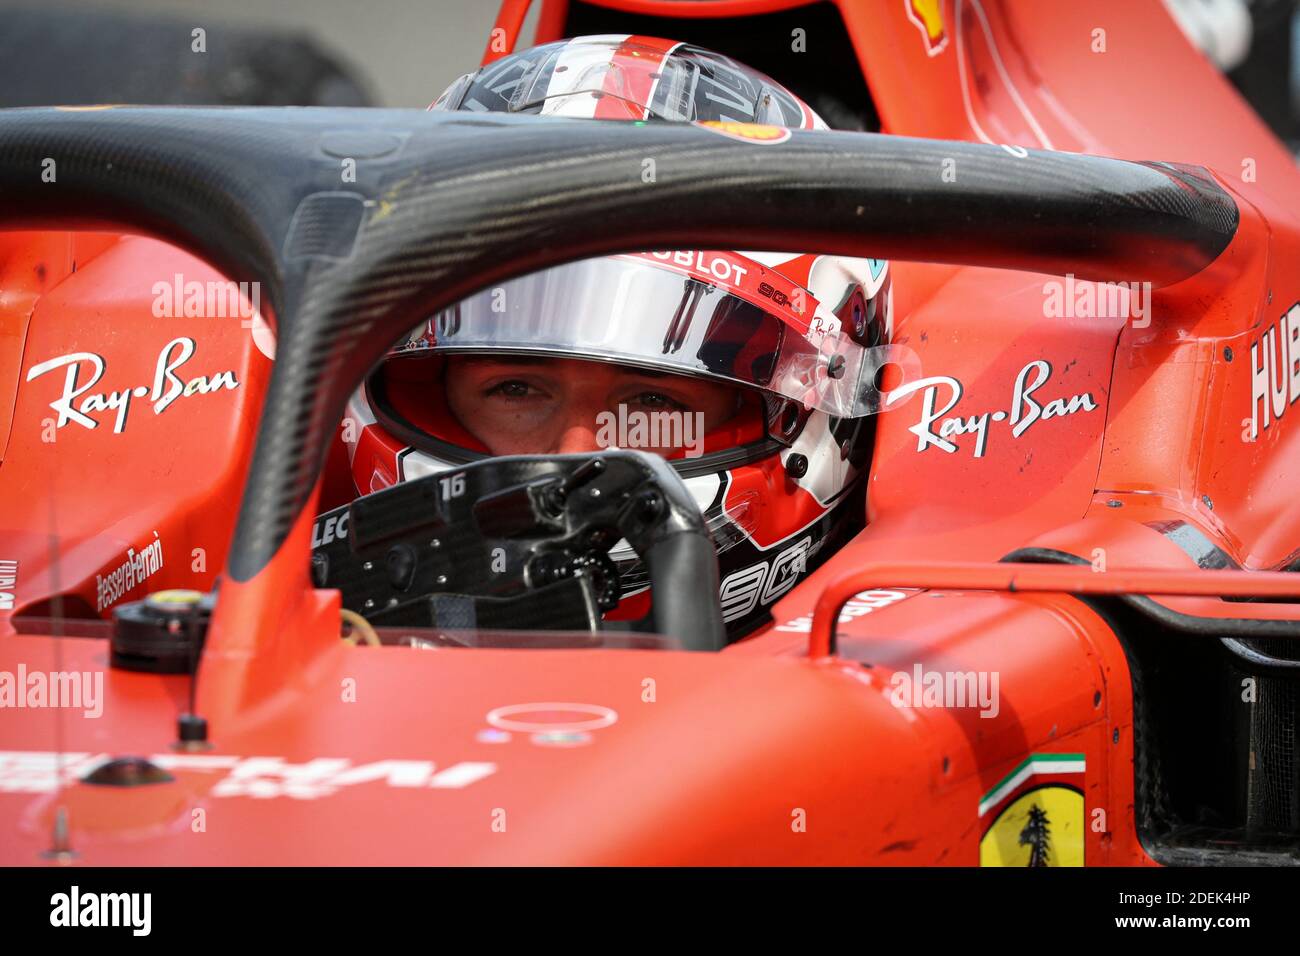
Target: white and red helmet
x,y
805,334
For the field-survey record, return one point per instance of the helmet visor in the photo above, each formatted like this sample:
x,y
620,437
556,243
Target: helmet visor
x,y
696,313
622,77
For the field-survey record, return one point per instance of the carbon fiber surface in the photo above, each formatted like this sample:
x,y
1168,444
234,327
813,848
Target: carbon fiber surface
x,y
453,203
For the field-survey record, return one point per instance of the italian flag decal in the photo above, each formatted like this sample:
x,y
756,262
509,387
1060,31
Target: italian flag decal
x,y
1034,816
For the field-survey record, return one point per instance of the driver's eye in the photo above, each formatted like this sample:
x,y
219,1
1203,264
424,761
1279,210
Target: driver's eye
x,y
658,400
512,388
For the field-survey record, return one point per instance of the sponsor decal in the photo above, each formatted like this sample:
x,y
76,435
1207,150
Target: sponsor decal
x,y
760,133
552,718
8,584
864,602
261,778
704,265
928,17
548,724
1275,371
83,370
1034,816
134,570
751,280
562,738
937,429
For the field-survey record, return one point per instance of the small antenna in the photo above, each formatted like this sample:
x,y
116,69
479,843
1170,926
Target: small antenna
x,y
60,844
191,729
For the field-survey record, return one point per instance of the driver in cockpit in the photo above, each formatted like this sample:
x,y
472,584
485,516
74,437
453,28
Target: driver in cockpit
x,y
745,370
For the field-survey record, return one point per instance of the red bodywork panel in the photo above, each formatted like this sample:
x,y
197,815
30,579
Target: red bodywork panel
x,y
762,753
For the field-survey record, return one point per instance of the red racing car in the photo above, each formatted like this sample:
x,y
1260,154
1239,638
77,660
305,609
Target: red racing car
x,y
727,432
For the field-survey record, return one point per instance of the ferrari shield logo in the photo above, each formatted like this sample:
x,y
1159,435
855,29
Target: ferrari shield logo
x,y
1034,816
928,17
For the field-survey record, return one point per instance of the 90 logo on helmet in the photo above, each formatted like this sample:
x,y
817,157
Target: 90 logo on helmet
x,y
744,590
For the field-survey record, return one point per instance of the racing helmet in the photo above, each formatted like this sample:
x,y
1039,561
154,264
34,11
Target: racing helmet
x,y
781,488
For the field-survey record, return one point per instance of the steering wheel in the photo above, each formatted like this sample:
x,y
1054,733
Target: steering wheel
x,y
522,543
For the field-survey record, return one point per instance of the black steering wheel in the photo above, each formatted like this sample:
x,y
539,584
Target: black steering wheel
x,y
522,543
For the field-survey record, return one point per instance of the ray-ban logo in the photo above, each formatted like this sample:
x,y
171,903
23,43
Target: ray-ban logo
x,y
83,370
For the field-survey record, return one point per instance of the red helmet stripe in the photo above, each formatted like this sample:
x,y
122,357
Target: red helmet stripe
x,y
766,288
638,59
